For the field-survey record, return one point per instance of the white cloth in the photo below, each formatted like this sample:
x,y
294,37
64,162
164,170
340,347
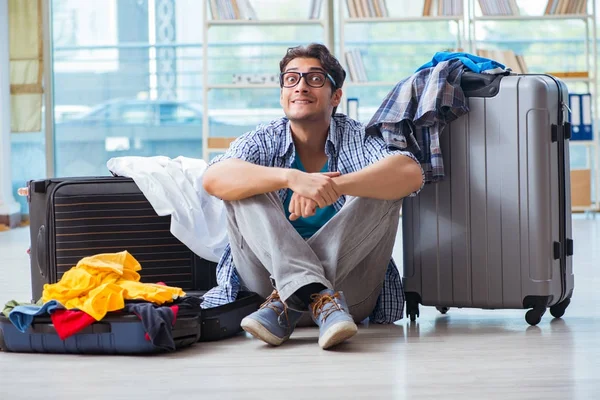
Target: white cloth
x,y
174,187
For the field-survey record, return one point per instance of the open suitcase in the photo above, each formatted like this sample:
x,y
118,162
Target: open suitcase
x,y
496,232
115,334
124,333
72,218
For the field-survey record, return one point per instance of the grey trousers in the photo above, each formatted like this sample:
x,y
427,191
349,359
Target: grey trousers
x,y
350,253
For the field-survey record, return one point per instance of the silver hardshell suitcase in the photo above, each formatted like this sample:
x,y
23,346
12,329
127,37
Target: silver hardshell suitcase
x,y
496,232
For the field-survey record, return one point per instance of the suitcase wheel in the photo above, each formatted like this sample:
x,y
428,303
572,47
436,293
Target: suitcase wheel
x,y
413,316
443,310
558,310
412,305
412,310
534,316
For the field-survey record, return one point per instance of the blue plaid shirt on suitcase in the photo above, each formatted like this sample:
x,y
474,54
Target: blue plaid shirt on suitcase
x,y
350,150
415,112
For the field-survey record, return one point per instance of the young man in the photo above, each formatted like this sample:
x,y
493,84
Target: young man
x,y
313,208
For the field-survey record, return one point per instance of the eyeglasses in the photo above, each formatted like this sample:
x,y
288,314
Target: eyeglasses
x,y
312,79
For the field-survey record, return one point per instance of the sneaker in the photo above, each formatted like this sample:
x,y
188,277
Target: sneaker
x,y
273,323
331,313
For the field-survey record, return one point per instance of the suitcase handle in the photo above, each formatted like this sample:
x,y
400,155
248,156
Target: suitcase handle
x,y
480,85
95,328
40,253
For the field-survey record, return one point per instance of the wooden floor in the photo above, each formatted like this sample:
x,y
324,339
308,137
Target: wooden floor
x,y
466,354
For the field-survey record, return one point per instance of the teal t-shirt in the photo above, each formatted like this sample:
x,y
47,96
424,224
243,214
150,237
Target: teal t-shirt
x,y
307,227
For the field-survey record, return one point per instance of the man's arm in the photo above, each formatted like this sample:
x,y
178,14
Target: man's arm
x,y
235,179
391,178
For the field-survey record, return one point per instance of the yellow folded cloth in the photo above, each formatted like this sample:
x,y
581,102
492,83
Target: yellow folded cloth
x,y
101,283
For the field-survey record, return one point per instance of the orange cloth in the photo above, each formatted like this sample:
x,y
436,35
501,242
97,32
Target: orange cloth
x,y
101,283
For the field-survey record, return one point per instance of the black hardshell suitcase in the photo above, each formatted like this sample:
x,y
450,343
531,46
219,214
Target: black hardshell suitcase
x,y
72,218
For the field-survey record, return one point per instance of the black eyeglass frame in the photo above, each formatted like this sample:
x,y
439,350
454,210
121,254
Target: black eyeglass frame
x,y
305,74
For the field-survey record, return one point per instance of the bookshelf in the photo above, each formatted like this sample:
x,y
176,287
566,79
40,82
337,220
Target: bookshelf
x,y
505,14
437,14
530,17
265,22
402,19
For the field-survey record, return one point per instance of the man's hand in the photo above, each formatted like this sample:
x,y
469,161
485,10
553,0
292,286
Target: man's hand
x,y
318,187
302,206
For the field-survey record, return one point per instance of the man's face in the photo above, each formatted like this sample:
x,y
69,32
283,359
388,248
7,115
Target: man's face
x,y
306,103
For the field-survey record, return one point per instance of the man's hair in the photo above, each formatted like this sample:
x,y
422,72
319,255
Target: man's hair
x,y
315,50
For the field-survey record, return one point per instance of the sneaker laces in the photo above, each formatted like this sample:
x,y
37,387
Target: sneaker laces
x,y
321,300
270,303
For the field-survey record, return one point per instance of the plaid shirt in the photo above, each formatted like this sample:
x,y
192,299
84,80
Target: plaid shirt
x,y
348,150
415,112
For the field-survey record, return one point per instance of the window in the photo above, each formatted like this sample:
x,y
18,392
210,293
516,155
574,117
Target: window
x,y
140,114
132,70
173,113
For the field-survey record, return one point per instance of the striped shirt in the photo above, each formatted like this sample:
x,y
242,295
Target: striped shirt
x,y
348,150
